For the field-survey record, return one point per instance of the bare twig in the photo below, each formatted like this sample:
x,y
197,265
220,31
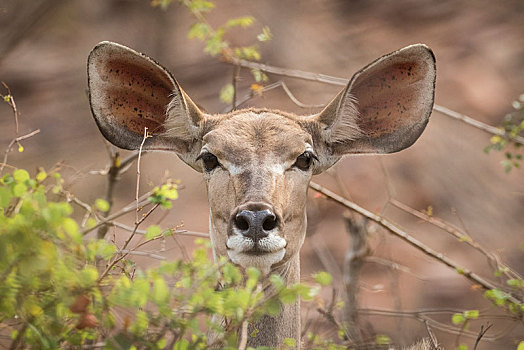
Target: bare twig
x,y
236,73
138,172
478,124
409,239
9,98
243,336
482,332
457,233
13,141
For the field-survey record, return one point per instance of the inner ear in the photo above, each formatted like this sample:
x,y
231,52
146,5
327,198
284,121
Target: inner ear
x,y
128,92
385,106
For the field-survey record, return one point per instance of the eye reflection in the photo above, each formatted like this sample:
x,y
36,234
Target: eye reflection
x,y
305,160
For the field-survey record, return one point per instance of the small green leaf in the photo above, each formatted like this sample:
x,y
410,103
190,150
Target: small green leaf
x,y
102,205
382,339
458,319
471,314
226,93
521,345
265,35
41,176
199,31
462,347
20,148
160,291
153,231
240,21
5,197
323,278
181,345
20,175
290,342
19,190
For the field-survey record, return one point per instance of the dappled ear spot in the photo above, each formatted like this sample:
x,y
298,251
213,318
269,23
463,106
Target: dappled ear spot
x,y
395,98
392,97
129,91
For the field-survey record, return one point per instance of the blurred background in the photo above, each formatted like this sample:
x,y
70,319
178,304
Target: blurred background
x,y
479,47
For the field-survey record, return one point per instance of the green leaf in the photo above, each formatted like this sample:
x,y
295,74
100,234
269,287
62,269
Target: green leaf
x,y
20,175
71,228
181,345
5,197
226,93
471,314
277,281
199,31
290,342
41,176
462,347
521,345
243,22
153,231
265,35
382,339
160,291
102,205
19,190
458,319
323,278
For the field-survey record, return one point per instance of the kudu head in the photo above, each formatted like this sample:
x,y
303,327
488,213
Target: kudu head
x,y
257,163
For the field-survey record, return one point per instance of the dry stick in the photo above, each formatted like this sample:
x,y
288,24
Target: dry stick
x,y
236,73
479,125
272,86
327,79
422,316
409,239
138,172
13,141
12,103
122,256
128,209
482,332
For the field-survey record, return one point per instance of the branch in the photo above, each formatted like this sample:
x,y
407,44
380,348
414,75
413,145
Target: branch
x,y
478,124
457,233
327,79
409,239
13,141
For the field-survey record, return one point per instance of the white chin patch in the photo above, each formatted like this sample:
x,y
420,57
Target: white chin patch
x,y
271,250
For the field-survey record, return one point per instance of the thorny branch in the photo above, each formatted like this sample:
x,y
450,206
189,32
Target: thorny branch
x,y
388,225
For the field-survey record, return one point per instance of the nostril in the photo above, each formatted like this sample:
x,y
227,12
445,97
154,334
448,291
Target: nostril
x,y
241,223
270,222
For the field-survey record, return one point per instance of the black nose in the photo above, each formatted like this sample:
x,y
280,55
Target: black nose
x,y
255,224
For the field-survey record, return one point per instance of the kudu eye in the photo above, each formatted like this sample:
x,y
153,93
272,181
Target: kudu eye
x,y
304,160
210,161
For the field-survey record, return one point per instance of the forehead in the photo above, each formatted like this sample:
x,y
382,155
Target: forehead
x,y
256,133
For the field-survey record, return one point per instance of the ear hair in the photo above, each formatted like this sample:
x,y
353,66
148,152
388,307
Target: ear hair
x,y
345,124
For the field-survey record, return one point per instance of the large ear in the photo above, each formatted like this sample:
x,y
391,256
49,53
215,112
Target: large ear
x,y
384,108
129,91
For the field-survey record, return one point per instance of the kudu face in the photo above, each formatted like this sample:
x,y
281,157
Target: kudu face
x,y
258,163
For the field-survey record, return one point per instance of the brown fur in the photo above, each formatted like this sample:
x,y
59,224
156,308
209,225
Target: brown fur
x,y
384,109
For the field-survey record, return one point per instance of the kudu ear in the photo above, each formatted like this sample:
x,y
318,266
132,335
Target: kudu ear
x,y
129,91
384,108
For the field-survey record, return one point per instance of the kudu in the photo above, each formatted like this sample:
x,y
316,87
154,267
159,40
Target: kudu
x,y
257,163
